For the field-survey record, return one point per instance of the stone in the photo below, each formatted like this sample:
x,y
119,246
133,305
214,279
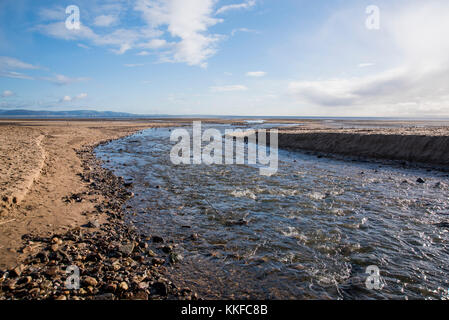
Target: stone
x,y
56,240
111,287
52,271
143,285
157,261
151,253
105,296
17,271
159,288
141,295
126,249
420,180
123,286
174,257
157,239
93,224
194,236
167,249
90,281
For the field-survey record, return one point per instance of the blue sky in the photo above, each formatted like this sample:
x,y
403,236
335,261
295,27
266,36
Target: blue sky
x,y
227,57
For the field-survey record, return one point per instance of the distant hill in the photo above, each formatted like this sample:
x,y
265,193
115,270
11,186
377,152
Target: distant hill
x,y
22,113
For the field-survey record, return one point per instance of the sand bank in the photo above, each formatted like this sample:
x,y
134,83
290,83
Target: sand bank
x,y
420,145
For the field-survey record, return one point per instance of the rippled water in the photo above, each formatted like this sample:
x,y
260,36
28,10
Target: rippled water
x,y
312,229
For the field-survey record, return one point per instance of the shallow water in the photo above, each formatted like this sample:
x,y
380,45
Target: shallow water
x,y
313,228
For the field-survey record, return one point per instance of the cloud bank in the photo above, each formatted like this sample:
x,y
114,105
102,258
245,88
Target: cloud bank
x,y
419,84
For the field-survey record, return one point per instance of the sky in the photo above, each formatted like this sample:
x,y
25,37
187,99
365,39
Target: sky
x,y
227,57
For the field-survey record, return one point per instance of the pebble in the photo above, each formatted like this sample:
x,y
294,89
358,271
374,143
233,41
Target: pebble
x,y
123,286
115,262
157,239
90,281
126,249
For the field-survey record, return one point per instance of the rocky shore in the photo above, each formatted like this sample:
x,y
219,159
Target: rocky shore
x,y
113,260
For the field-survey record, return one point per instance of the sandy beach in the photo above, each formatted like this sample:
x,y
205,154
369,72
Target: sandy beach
x,y
40,168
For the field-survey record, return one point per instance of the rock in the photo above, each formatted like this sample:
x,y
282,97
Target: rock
x,y
90,281
420,180
194,236
17,271
143,285
159,288
105,296
123,286
141,295
174,257
167,249
56,240
52,271
151,253
157,261
43,256
111,287
25,280
126,249
443,225
61,298
34,291
93,224
157,239
440,185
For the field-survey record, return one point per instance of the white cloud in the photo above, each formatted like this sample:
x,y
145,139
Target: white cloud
x,y
187,20
229,88
245,5
419,84
7,93
235,31
154,44
8,66
256,74
133,65
121,40
81,45
15,75
52,14
72,99
105,20
143,53
364,65
82,96
13,63
62,80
